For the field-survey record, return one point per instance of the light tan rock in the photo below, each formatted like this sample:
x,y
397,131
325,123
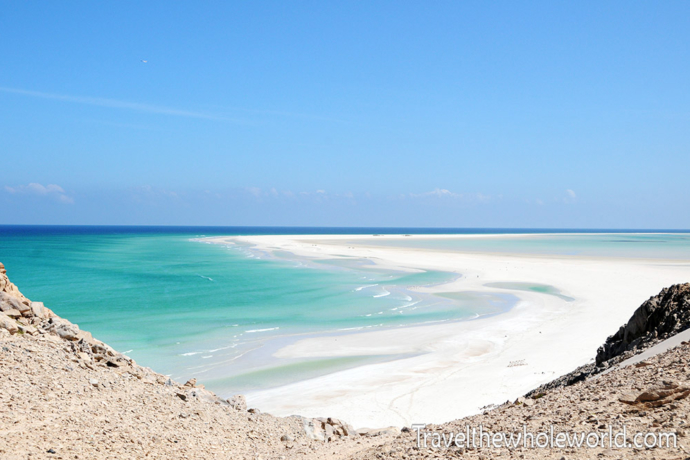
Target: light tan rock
x,y
27,329
371,432
238,402
314,429
8,288
38,309
64,328
9,302
8,324
86,337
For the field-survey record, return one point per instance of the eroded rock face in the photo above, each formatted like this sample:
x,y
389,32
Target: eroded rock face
x,y
13,306
20,315
660,317
8,288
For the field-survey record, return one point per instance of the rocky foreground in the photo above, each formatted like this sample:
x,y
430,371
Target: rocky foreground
x,y
64,394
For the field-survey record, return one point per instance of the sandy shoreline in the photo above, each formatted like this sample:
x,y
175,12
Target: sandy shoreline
x,y
461,366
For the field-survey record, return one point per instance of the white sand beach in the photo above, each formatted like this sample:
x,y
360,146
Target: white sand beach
x,y
462,366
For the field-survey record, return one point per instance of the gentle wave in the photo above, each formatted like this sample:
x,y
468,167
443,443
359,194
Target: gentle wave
x,y
205,277
409,304
223,348
191,353
385,293
364,287
262,330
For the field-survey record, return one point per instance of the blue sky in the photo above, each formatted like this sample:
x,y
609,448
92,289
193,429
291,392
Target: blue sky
x,y
462,114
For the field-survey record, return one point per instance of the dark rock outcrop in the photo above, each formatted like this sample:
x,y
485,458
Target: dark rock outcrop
x,y
662,316
659,318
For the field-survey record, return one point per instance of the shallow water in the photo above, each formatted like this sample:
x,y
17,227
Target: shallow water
x,y
219,312
215,312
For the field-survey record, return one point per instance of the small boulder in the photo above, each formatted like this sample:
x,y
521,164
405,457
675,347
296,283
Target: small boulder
x,y
8,323
38,310
86,337
369,432
238,402
348,430
658,395
9,302
64,329
329,431
27,329
313,428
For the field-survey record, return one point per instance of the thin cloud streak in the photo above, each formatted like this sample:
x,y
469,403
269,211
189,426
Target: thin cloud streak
x,y
116,104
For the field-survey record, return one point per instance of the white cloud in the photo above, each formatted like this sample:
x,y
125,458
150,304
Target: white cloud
x,y
256,191
570,197
445,194
437,192
117,104
51,190
273,194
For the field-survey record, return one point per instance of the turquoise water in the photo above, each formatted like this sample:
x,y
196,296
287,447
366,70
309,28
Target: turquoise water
x,y
625,245
220,312
215,312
